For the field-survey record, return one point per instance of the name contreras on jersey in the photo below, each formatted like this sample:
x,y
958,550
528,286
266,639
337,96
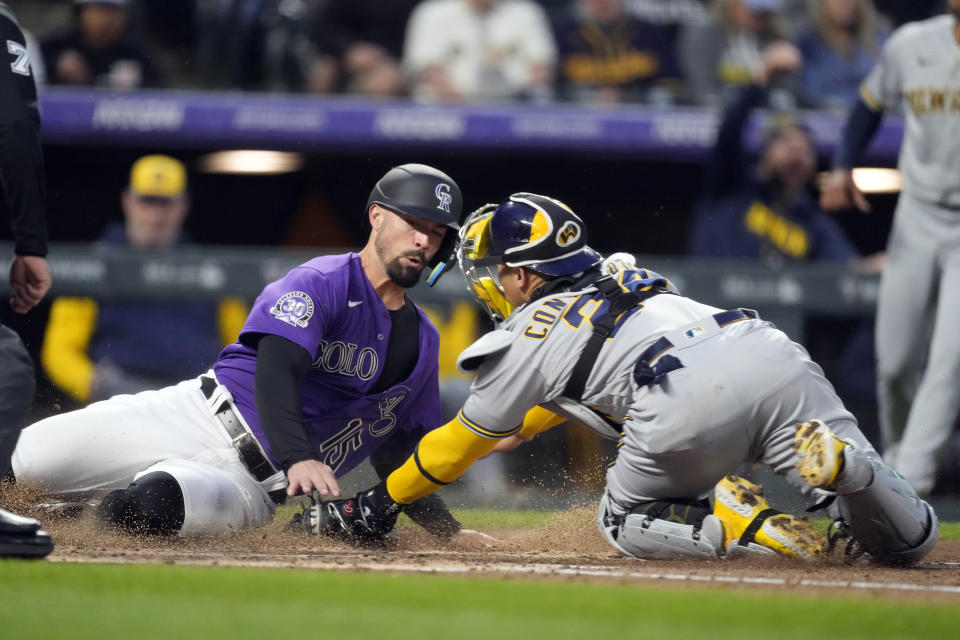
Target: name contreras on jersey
x,y
926,100
347,359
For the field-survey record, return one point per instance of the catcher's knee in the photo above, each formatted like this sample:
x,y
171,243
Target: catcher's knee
x,y
151,505
662,529
887,518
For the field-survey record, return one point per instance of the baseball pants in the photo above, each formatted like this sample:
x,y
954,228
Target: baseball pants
x,y
109,444
16,392
737,398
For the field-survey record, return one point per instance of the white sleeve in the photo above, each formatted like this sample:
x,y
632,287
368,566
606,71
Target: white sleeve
x,y
541,48
421,47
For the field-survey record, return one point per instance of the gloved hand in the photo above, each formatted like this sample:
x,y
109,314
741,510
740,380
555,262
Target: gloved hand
x,y
617,262
368,517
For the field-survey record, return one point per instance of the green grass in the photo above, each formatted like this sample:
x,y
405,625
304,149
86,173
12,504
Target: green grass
x,y
950,530
51,600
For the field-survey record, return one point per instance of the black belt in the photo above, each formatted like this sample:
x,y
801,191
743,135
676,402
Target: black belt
x,y
243,441
645,374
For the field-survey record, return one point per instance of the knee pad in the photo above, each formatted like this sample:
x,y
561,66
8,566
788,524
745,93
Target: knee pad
x,y
152,505
887,518
662,530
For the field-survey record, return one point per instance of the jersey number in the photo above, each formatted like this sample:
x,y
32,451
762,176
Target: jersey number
x,y
22,64
335,449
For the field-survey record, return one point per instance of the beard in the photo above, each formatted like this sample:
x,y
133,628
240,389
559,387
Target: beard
x,y
400,275
405,277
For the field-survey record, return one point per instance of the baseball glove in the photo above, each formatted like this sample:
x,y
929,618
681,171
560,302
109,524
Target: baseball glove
x,y
367,518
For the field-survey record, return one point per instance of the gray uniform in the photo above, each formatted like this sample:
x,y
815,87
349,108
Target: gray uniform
x,y
738,396
919,73
697,391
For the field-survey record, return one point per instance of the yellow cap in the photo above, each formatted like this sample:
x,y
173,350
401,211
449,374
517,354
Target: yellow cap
x,y
159,176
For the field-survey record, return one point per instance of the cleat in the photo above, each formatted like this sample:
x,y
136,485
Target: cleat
x,y
820,454
22,537
750,526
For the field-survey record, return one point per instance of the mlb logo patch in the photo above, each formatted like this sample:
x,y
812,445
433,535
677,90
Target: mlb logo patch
x,y
693,333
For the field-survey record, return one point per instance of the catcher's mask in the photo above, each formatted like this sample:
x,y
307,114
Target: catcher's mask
x,y
421,191
526,230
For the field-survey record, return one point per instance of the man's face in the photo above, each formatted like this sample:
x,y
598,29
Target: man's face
x,y
510,284
102,25
954,6
405,245
153,222
791,158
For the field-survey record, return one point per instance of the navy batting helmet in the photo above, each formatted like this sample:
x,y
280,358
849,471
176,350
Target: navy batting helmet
x,y
541,234
421,191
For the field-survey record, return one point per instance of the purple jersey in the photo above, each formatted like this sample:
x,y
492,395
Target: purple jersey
x,y
329,307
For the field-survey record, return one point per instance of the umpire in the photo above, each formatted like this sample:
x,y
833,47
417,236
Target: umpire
x,y
23,199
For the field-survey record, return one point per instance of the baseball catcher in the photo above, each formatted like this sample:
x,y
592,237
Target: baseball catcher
x,y
690,392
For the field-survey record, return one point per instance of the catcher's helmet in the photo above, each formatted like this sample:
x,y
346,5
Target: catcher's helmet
x,y
541,234
421,192
526,230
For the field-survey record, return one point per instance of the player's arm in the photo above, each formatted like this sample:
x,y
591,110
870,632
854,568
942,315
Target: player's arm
x,y
442,456
23,185
22,173
535,422
281,367
839,191
882,89
66,344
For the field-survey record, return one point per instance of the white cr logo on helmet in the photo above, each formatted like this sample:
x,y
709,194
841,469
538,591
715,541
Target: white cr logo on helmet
x,y
443,195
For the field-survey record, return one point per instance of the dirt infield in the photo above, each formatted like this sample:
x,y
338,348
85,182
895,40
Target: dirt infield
x,y
567,547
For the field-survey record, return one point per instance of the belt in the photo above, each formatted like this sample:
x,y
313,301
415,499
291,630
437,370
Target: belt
x,y
645,374
251,455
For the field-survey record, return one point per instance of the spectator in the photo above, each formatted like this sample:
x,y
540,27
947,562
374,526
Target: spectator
x,y
99,49
727,51
359,44
484,50
607,56
766,213
96,349
838,52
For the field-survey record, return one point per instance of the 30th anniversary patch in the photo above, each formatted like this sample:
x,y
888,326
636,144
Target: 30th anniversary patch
x,y
294,308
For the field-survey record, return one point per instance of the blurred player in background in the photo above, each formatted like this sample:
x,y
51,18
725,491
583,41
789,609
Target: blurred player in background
x,y
918,345
695,390
97,349
23,199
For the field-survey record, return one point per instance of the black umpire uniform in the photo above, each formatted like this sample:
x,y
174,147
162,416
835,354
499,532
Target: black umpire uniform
x,y
23,199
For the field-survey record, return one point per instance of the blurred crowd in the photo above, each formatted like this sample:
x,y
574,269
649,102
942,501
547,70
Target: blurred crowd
x,y
657,52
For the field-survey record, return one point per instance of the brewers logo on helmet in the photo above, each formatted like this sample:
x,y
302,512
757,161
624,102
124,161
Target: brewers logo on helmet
x,y
526,230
